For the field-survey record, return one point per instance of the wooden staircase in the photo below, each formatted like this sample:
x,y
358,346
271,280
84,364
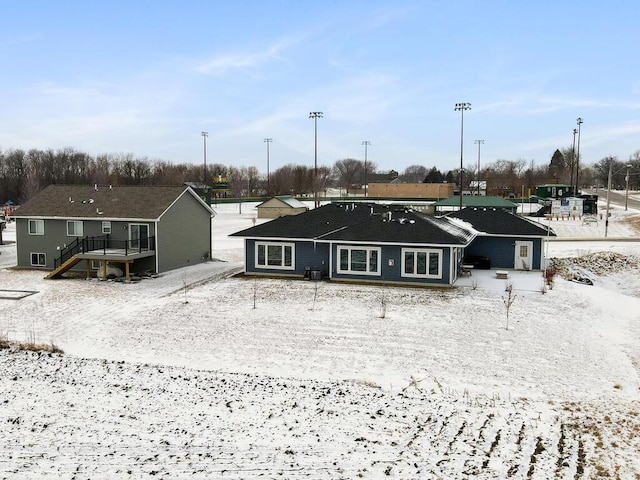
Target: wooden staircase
x,y
56,273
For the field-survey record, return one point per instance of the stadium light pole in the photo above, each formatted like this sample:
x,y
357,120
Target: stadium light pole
x,y
461,106
268,141
366,143
315,116
204,141
479,142
579,120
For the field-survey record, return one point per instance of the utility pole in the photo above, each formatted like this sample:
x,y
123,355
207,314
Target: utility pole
x,y
579,120
479,142
268,141
366,143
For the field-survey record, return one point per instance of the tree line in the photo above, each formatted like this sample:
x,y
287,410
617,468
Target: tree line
x,y
24,173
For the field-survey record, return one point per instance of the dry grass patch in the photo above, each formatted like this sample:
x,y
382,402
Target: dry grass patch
x,y
5,343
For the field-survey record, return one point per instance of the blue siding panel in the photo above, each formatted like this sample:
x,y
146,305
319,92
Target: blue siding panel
x,y
307,254
393,273
501,250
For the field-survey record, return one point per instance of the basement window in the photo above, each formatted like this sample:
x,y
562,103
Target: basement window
x,y
38,259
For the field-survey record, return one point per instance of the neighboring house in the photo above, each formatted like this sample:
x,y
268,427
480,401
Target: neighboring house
x,y
280,206
506,239
142,228
359,242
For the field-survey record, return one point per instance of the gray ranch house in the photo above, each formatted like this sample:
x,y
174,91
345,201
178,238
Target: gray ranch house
x,y
140,228
358,242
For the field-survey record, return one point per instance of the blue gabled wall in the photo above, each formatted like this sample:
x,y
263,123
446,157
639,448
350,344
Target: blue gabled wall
x,y
501,250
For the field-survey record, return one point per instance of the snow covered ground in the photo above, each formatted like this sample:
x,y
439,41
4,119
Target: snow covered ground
x,y
200,373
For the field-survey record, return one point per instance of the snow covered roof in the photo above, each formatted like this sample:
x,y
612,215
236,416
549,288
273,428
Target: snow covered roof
x,y
497,221
282,199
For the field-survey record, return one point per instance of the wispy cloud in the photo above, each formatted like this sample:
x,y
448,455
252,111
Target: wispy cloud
x,y
244,61
552,104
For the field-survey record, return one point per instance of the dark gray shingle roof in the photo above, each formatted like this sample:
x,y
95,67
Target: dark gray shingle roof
x,y
497,221
360,222
84,201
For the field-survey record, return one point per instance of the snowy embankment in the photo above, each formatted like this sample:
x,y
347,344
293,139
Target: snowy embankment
x,y
200,374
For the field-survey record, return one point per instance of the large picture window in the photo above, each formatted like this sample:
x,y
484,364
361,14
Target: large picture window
x,y
75,228
359,260
36,227
275,255
422,263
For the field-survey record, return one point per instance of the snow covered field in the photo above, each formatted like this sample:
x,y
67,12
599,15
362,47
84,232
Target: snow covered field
x,y
203,374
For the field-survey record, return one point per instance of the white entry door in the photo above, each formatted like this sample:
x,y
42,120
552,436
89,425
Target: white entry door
x,y
523,255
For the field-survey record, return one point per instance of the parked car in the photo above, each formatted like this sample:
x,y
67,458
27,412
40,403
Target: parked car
x,y
477,261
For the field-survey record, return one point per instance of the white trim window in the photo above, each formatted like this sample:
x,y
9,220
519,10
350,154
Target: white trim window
x,y
106,227
421,263
75,228
36,227
359,260
38,259
275,256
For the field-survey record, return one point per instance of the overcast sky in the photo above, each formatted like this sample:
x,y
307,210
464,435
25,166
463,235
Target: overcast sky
x,y
148,77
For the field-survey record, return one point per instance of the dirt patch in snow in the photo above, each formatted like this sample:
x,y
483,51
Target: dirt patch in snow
x,y
597,264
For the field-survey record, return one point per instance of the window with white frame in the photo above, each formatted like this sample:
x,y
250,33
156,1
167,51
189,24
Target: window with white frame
x,y
106,227
359,260
38,259
75,228
36,227
421,263
275,255
96,264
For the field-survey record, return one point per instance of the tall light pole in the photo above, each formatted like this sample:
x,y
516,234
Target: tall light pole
x,y
606,222
579,120
204,141
462,106
268,141
315,116
366,143
573,159
479,142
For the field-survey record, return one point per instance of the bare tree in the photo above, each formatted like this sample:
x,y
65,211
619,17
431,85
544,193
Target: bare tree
x,y
348,172
414,174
